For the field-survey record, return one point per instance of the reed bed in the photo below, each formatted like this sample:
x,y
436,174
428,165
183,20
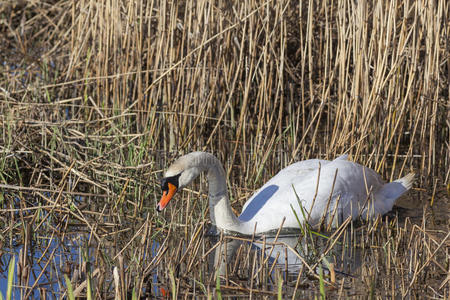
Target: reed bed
x,y
98,97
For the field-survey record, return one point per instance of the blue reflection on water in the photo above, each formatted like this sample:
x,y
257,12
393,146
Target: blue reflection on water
x,y
66,254
51,276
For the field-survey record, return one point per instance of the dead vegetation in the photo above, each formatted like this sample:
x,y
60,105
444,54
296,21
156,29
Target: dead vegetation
x,y
96,97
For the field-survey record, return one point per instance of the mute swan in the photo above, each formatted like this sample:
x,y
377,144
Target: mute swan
x,y
357,191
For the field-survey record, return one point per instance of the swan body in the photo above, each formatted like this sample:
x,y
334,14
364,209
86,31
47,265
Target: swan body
x,y
329,192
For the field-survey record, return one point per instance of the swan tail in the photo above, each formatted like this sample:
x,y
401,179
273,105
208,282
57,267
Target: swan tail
x,y
407,181
386,196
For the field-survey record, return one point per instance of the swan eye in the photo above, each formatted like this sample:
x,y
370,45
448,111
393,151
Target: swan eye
x,y
166,180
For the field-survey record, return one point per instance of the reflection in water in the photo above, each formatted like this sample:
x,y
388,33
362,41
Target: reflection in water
x,y
289,253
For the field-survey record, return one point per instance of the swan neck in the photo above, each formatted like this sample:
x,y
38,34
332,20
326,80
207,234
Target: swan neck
x,y
219,205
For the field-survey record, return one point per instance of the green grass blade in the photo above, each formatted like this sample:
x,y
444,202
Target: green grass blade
x,y
218,292
11,267
133,294
173,284
89,287
280,287
298,220
321,283
70,294
202,287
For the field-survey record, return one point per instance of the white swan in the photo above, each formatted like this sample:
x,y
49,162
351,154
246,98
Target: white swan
x,y
344,189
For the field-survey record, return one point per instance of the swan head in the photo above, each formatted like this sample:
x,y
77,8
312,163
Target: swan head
x,y
181,173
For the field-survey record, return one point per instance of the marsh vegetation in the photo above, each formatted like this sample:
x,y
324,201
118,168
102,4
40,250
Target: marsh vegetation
x,y
98,97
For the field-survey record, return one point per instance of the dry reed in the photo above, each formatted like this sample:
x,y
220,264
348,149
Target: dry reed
x,y
96,97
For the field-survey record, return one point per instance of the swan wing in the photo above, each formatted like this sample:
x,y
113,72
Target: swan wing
x,y
293,173
274,189
343,190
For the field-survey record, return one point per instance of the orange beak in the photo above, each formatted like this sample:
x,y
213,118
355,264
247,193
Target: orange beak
x,y
167,195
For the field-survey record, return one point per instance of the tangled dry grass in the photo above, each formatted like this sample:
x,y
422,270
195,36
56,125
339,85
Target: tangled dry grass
x,y
96,97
